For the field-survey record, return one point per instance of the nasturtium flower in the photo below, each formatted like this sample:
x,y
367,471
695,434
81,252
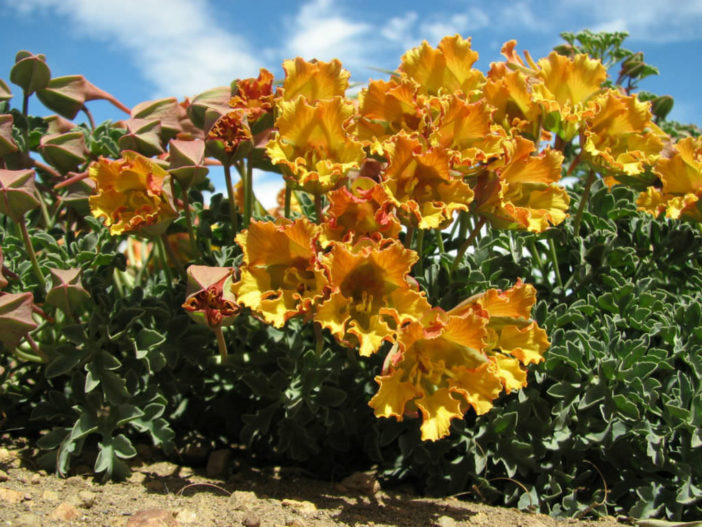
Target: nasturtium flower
x,y
520,190
133,194
209,299
313,145
280,276
621,137
359,211
446,69
232,129
314,80
254,97
419,183
680,178
467,131
387,107
371,292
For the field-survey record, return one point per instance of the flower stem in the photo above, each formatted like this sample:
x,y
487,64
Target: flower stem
x,y
230,194
469,241
32,255
408,236
288,199
221,343
189,222
165,246
248,191
25,112
440,242
420,251
583,200
554,262
90,117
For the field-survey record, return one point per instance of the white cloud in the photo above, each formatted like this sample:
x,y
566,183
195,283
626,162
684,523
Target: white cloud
x,y
177,45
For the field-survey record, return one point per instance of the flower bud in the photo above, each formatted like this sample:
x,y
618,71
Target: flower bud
x,y
661,106
15,318
55,124
5,93
209,299
143,136
30,72
7,142
187,160
64,151
17,192
67,95
168,111
216,98
67,293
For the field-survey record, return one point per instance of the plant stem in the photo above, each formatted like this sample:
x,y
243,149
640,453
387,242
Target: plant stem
x,y
230,193
420,251
25,112
288,199
469,241
440,241
408,237
537,257
583,200
32,255
248,191
172,257
221,343
554,262
158,243
318,208
189,222
90,117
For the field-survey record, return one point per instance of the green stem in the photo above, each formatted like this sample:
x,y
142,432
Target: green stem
x,y
288,199
408,236
172,257
230,194
189,223
44,211
25,113
440,242
420,251
32,255
248,191
554,262
158,242
117,281
318,208
583,200
221,343
469,241
536,256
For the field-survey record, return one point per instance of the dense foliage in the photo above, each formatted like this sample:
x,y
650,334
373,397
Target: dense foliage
x,y
414,241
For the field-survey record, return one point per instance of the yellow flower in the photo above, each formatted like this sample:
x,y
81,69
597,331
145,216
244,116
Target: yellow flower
x,y
314,80
313,145
280,277
681,183
254,97
444,69
385,108
359,211
418,182
371,293
133,194
520,190
467,130
621,137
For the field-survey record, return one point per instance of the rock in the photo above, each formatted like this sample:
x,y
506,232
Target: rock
x,y
294,523
251,521
27,520
446,521
3,476
301,507
187,516
242,498
50,495
218,462
65,512
6,456
155,485
86,499
10,496
35,479
152,518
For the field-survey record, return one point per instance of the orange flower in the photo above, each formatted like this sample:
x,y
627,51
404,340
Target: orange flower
x,y
371,293
444,69
681,183
313,145
232,129
314,80
621,137
359,212
280,277
417,181
520,190
133,194
254,97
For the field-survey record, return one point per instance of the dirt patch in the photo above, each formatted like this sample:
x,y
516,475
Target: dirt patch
x,y
160,493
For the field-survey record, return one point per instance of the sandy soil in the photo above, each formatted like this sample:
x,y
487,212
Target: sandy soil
x,y
163,494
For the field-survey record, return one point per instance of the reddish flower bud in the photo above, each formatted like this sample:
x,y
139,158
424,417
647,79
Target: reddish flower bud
x,y
15,317
17,193
67,292
30,72
64,151
143,136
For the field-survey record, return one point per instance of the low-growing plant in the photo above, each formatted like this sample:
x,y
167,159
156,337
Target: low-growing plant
x,y
442,240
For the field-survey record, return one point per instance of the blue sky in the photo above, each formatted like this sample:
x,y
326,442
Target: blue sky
x,y
145,49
